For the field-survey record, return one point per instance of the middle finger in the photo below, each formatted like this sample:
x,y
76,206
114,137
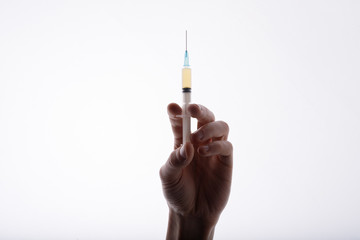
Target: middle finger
x,y
218,129
201,113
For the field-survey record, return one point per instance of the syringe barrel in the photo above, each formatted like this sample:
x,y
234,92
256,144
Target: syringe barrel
x,y
186,77
186,117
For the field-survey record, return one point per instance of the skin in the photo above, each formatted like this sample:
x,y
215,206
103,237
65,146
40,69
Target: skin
x,y
196,179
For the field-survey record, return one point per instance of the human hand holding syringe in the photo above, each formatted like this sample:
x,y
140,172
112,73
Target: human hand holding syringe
x,y
196,178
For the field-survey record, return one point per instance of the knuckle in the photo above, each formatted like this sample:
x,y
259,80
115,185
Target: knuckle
x,y
225,126
177,143
230,146
176,123
211,116
206,114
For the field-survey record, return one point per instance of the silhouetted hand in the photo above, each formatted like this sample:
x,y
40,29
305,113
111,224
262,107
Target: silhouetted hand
x,y
196,178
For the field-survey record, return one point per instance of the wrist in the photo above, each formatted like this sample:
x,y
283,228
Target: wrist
x,y
189,227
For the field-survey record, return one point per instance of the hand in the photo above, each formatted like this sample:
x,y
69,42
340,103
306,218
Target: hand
x,y
196,178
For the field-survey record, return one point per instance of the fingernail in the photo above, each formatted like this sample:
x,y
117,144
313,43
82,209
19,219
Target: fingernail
x,y
205,149
182,152
200,135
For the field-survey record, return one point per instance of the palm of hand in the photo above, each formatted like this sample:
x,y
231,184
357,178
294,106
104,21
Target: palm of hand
x,y
206,186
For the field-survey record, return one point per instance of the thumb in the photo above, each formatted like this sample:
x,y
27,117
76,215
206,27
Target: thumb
x,y
171,171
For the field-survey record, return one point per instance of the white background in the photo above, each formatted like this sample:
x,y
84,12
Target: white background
x,y
84,87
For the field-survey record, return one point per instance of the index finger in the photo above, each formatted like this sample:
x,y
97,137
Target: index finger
x,y
174,111
201,113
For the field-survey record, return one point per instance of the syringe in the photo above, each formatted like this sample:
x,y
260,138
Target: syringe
x,y
186,89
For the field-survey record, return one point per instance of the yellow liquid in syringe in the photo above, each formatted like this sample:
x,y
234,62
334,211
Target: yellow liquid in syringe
x,y
186,77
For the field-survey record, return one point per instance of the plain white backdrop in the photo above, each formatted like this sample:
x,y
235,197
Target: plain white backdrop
x,y
84,87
